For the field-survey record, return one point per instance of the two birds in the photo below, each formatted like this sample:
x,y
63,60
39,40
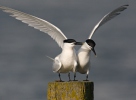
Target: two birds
x,y
68,60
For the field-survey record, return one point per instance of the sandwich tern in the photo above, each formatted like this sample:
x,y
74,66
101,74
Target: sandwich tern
x,y
66,61
84,52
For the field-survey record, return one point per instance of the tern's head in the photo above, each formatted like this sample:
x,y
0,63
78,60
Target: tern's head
x,y
91,44
71,42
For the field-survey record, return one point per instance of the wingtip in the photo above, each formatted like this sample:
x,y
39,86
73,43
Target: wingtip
x,y
2,7
126,5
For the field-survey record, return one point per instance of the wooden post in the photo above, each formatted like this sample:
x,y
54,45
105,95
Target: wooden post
x,y
73,90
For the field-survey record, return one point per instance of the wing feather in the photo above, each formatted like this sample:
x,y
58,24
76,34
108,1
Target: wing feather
x,y
108,17
56,64
37,23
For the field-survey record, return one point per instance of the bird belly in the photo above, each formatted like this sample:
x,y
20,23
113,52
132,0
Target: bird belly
x,y
67,65
83,64
67,59
83,68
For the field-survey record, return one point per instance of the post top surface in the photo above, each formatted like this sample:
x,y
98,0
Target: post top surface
x,y
72,82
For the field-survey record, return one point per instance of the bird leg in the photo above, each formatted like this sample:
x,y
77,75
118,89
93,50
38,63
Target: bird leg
x,y
59,78
69,76
86,78
74,77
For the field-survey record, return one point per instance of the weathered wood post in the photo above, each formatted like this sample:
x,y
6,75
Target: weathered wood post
x,y
73,90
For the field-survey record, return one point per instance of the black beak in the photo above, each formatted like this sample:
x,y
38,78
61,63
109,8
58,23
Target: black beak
x,y
78,43
94,51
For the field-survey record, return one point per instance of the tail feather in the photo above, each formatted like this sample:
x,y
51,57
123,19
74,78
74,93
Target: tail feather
x,y
50,58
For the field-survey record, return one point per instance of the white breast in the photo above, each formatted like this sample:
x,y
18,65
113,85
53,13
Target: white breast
x,y
68,59
83,59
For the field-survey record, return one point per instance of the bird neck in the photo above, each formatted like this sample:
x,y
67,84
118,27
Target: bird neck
x,y
67,46
84,54
85,47
69,51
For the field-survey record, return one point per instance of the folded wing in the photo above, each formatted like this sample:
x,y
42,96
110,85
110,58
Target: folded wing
x,y
56,64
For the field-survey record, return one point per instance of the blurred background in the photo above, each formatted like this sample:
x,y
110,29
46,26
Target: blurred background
x,y
25,70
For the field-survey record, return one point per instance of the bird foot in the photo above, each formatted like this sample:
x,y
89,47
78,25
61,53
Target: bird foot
x,y
75,80
59,81
69,80
85,80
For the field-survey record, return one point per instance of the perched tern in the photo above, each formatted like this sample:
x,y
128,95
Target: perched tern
x,y
84,52
66,61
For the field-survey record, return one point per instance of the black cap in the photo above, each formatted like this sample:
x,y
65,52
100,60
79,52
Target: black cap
x,y
90,43
69,41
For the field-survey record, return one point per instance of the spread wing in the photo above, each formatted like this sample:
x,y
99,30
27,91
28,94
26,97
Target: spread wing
x,y
37,23
108,17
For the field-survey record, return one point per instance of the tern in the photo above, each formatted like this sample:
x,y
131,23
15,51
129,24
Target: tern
x,y
88,46
66,61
